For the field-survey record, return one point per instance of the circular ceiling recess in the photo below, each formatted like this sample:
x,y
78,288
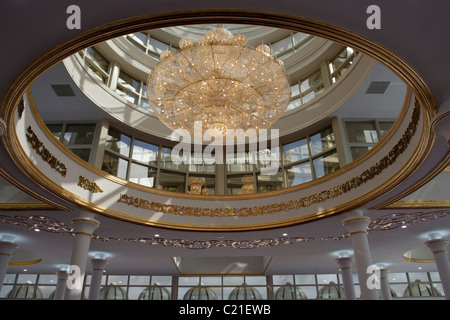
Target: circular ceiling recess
x,y
192,121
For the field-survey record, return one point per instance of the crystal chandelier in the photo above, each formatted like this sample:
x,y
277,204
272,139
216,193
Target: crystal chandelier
x,y
219,81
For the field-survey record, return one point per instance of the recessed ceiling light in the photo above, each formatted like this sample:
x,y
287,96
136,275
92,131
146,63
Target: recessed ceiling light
x,y
156,235
403,227
284,234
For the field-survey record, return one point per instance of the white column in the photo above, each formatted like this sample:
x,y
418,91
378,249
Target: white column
x,y
438,247
84,227
357,224
345,266
98,267
7,247
384,284
61,284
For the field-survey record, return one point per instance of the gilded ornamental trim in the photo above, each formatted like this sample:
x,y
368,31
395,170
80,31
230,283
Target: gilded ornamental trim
x,y
45,154
88,185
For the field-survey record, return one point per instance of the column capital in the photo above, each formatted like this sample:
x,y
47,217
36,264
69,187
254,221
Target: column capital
x,y
384,273
99,264
85,225
344,262
7,247
357,224
62,274
437,245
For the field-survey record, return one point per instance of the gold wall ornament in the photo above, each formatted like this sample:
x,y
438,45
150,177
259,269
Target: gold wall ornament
x,y
88,185
195,185
45,154
248,185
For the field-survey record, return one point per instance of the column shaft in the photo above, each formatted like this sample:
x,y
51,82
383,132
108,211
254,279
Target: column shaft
x,y
84,226
384,284
61,285
96,280
6,250
345,266
439,249
357,225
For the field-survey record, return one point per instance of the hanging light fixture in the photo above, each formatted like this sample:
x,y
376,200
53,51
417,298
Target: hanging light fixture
x,y
220,82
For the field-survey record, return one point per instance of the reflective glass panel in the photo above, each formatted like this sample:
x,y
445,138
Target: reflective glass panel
x,y
114,165
240,161
167,160
79,134
270,182
384,127
358,151
295,151
128,82
311,81
326,164
98,58
322,141
142,175
118,142
171,181
55,129
299,174
363,132
145,152
82,153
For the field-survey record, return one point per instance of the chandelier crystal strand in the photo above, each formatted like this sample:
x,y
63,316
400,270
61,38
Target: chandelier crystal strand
x,y
219,81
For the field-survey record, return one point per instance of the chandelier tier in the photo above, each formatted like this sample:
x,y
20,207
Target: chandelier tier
x,y
219,81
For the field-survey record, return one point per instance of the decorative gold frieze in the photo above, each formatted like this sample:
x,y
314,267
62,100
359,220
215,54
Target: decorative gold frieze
x,y
88,185
322,196
45,154
212,212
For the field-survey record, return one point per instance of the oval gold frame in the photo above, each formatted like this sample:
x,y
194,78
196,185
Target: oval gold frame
x,y
102,33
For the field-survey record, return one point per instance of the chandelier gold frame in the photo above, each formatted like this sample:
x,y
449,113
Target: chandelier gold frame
x,y
220,82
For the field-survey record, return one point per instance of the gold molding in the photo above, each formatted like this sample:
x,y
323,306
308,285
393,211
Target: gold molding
x,y
26,206
91,37
419,204
420,260
24,263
